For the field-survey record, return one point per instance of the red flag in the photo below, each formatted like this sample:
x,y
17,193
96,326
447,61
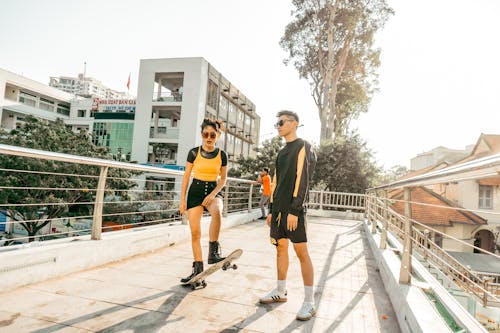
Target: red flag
x,y
128,82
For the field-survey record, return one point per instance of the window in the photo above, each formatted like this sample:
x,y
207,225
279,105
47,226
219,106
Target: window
x,y
485,197
81,113
212,95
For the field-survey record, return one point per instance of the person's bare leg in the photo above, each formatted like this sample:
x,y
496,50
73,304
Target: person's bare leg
x,y
194,215
282,259
305,263
215,210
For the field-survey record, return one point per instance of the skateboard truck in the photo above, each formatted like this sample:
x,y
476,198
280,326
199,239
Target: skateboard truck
x,y
228,265
198,285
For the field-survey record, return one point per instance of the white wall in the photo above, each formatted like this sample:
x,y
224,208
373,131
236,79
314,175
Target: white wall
x,y
192,108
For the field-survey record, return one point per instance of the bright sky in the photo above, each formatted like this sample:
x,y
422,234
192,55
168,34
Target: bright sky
x,y
438,79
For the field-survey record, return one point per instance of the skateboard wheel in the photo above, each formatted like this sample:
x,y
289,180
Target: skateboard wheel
x,y
204,284
193,287
235,266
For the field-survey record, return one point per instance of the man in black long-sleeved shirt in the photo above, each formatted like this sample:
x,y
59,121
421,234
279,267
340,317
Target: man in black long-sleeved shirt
x,y
294,166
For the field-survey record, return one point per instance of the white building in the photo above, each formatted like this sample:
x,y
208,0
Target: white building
x,y
20,96
173,97
438,155
86,87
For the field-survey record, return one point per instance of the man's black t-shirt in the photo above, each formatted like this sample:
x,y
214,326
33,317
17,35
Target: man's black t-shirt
x,y
294,166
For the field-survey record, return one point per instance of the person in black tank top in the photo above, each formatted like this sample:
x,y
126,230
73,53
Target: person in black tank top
x,y
287,214
207,163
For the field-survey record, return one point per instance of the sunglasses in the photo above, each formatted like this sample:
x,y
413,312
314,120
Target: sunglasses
x,y
281,122
212,135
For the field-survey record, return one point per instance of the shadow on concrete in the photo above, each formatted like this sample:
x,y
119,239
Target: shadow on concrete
x,y
151,321
260,311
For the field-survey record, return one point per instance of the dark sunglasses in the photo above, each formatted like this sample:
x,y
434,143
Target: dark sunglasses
x,y
281,122
205,135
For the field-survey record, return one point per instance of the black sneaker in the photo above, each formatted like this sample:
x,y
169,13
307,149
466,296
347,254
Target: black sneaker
x,y
262,218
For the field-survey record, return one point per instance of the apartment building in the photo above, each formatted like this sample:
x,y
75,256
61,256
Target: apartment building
x,y
174,95
20,97
86,87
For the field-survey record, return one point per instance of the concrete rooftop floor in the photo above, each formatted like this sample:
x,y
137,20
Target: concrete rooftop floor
x,y
142,294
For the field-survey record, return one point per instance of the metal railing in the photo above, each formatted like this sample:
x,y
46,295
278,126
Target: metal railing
x,y
326,200
167,96
415,236
99,195
72,195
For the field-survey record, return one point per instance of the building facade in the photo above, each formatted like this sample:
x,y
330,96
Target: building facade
x,y
20,97
174,95
86,87
438,155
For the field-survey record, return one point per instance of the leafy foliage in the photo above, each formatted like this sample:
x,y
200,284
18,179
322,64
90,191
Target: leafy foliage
x,y
45,201
330,43
345,166
266,157
389,175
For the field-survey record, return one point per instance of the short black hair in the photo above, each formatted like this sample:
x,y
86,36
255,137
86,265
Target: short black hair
x,y
288,113
215,123
266,169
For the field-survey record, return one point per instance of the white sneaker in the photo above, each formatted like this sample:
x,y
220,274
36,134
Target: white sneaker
x,y
307,311
273,297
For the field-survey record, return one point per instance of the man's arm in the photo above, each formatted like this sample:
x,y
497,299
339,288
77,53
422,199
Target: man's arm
x,y
306,161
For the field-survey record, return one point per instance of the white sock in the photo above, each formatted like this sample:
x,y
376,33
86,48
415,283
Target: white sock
x,y
309,294
282,286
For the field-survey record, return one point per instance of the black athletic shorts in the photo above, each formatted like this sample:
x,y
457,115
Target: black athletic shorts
x,y
198,190
279,229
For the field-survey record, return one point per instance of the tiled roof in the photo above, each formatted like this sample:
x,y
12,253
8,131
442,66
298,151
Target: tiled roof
x,y
487,144
431,215
424,170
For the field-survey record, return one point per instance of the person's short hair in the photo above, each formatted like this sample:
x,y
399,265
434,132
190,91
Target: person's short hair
x,y
215,123
266,169
288,113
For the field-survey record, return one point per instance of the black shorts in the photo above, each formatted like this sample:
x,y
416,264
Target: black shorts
x,y
279,229
198,190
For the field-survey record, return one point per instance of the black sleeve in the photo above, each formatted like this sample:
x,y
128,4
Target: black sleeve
x,y
306,162
223,156
192,155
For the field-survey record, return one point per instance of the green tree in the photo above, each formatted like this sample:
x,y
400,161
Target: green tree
x,y
389,175
266,157
34,208
345,166
330,43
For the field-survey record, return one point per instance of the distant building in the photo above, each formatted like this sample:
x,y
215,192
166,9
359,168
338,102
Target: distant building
x,y
438,155
85,87
20,97
477,219
174,95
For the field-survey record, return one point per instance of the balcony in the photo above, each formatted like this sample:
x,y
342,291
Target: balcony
x,y
167,96
164,133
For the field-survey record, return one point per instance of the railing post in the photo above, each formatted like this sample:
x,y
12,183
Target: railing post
x,y
426,243
99,203
321,200
374,216
405,270
226,200
383,236
250,196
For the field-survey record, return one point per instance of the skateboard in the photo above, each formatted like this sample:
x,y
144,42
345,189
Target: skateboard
x,y
198,281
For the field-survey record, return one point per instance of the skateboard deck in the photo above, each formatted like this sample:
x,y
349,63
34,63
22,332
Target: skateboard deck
x,y
198,281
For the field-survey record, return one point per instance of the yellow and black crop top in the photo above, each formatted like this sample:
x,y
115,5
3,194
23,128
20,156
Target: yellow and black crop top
x,y
206,165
